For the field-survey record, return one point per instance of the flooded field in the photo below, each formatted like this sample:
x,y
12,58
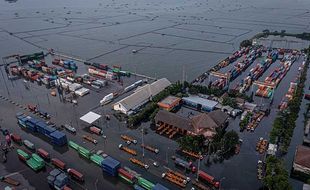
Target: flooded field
x,y
168,35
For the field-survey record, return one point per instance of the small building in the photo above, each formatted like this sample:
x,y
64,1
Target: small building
x,y
141,96
307,135
202,124
200,103
302,160
169,103
272,149
306,187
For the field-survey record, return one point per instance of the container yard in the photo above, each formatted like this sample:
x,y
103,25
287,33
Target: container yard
x,y
67,151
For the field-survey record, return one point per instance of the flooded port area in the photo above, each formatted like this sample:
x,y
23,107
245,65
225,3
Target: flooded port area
x,y
98,53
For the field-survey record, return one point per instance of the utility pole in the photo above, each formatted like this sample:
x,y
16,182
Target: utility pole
x,y
142,142
198,166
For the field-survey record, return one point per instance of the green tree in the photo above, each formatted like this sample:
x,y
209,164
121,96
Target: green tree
x,y
230,140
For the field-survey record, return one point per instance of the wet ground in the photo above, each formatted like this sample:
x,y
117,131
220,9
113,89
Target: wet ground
x,y
169,36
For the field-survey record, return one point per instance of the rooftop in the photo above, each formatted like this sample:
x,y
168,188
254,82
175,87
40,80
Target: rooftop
x,y
170,101
302,156
142,94
202,101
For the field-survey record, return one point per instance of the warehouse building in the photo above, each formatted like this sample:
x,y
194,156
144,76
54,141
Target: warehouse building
x,y
200,103
302,160
203,124
141,96
169,103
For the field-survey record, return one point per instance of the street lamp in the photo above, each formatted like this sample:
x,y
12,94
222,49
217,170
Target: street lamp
x,y
221,182
198,166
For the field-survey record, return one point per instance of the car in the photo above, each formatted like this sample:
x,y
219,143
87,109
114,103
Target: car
x,y
155,164
69,128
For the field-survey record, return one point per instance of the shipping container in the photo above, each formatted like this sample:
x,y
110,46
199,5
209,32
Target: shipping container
x,y
145,183
23,154
75,174
95,130
58,163
126,176
44,154
209,179
16,138
58,138
110,166
73,145
97,159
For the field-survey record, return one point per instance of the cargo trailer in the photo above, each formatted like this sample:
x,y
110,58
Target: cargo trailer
x,y
75,174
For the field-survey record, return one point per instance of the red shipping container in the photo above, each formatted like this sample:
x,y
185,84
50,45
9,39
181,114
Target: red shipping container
x,y
75,174
43,153
58,163
95,130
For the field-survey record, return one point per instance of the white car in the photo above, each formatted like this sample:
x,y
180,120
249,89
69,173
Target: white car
x,y
69,128
155,164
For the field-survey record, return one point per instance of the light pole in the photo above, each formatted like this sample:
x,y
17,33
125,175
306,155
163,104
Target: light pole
x,y
198,166
221,182
142,143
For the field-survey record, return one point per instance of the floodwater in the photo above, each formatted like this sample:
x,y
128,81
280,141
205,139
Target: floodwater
x,y
170,36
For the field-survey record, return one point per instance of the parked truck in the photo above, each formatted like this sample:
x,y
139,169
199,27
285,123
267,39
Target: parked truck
x,y
203,176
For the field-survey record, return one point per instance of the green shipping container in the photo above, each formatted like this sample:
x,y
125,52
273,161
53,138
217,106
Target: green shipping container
x,y
145,183
38,159
23,154
125,179
84,152
33,164
96,159
73,145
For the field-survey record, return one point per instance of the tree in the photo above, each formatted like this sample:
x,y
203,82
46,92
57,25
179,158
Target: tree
x,y
230,140
246,43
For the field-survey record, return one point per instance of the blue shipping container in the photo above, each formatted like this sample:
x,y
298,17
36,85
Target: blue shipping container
x,y
58,138
137,187
110,165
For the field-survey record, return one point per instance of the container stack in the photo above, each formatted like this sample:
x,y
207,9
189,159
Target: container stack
x,y
57,179
126,176
110,166
39,126
22,155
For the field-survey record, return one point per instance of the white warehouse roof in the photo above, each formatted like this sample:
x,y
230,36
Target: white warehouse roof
x,y
141,95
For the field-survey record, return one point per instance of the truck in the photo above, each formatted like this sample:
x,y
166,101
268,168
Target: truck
x,y
58,163
95,130
75,174
203,176
128,150
139,163
90,139
69,128
29,144
107,99
152,149
184,164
